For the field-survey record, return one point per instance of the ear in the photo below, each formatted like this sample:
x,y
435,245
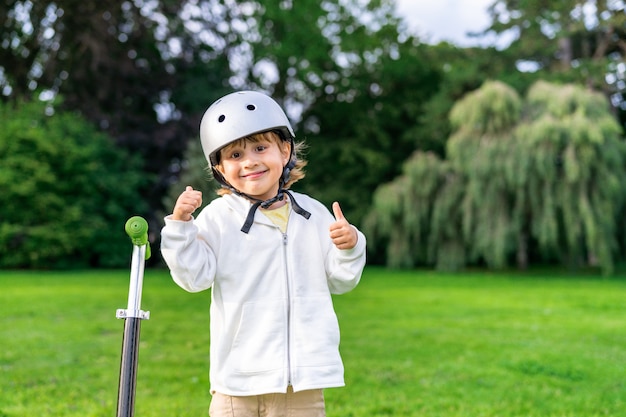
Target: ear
x,y
286,151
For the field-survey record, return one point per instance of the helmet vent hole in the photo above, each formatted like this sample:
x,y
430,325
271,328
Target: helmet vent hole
x,y
221,118
251,107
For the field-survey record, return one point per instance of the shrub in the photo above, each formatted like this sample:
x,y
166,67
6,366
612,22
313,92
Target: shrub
x,y
66,191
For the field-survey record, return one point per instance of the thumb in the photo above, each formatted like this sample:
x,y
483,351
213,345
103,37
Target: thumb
x,y
337,211
189,188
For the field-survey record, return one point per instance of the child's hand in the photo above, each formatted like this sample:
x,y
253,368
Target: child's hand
x,y
188,202
341,232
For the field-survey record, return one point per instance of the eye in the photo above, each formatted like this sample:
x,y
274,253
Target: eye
x,y
261,148
235,155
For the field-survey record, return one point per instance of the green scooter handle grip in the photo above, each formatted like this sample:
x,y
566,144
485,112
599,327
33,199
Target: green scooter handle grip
x,y
137,229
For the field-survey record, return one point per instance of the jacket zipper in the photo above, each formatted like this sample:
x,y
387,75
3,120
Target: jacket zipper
x,y
288,311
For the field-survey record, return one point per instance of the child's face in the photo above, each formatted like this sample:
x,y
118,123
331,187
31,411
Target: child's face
x,y
254,167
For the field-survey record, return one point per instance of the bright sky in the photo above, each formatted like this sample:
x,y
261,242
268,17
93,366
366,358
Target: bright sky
x,y
439,20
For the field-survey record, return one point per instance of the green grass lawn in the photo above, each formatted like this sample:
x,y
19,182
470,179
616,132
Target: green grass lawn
x,y
414,343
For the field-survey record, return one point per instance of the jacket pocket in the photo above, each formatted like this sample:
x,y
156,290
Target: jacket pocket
x,y
315,332
260,342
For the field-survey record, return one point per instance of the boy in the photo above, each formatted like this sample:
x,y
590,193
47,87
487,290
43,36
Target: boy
x,y
272,263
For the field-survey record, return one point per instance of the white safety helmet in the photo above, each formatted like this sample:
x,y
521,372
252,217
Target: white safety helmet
x,y
238,115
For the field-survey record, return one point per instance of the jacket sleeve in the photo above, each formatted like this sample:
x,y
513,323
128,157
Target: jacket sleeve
x,y
345,266
189,257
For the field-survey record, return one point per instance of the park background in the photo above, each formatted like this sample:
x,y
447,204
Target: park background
x,y
504,154
445,156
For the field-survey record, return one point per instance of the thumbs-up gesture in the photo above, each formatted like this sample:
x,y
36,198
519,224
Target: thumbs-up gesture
x,y
342,233
188,202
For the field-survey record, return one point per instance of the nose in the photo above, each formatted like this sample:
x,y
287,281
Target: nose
x,y
250,159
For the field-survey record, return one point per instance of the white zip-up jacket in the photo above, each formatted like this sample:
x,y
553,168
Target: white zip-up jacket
x,y
272,318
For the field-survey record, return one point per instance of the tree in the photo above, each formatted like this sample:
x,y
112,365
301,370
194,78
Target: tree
x,y
481,149
67,191
580,41
540,176
105,61
358,132
462,70
139,71
417,218
569,174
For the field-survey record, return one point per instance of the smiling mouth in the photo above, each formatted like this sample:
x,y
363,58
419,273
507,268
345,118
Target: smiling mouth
x,y
253,175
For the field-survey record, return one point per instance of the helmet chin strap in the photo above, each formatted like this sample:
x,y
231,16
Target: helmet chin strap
x,y
267,203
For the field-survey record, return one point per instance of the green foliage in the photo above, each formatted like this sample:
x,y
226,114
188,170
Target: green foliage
x,y
368,95
491,110
481,150
462,70
575,41
66,191
572,161
142,72
357,134
540,175
402,221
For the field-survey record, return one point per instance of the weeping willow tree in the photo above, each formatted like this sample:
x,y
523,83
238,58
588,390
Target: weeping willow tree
x,y
403,222
542,175
481,150
570,174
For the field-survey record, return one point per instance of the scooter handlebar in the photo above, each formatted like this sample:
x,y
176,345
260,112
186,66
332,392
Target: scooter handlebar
x,y
137,229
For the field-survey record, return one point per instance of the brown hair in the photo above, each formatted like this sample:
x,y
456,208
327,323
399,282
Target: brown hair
x,y
296,173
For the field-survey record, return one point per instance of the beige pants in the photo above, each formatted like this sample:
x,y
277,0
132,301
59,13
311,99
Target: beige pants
x,y
292,404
